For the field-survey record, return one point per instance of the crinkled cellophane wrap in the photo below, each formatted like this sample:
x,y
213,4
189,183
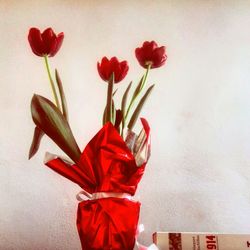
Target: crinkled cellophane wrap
x,y
106,165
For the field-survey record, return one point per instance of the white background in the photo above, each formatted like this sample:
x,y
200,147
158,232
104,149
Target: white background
x,y
198,178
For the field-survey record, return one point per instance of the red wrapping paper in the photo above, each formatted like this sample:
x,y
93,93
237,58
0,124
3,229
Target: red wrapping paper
x,y
106,165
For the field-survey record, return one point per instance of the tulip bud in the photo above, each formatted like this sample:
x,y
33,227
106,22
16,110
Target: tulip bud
x,y
107,67
150,54
46,43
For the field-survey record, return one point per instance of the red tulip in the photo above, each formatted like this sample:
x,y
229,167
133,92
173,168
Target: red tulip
x,y
46,43
107,67
151,54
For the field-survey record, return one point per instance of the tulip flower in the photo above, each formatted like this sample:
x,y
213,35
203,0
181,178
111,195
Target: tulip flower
x,y
107,67
46,43
151,55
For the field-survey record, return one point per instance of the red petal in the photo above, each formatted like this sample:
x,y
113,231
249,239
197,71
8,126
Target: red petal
x,y
105,60
115,68
145,44
57,44
147,52
124,69
138,54
113,62
159,57
100,71
49,39
106,68
121,70
153,45
140,57
36,43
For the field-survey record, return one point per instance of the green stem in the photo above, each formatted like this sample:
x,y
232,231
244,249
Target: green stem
x,y
51,82
145,76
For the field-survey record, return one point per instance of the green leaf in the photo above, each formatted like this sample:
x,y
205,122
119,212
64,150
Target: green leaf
x,y
124,101
115,92
50,120
113,112
38,134
118,119
62,95
139,108
104,116
109,99
134,96
138,89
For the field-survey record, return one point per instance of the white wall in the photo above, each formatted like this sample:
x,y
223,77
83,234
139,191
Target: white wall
x,y
198,178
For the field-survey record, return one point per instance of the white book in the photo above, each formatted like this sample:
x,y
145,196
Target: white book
x,y
201,241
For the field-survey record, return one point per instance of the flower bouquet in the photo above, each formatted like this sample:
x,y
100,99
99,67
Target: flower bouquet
x,y
110,167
